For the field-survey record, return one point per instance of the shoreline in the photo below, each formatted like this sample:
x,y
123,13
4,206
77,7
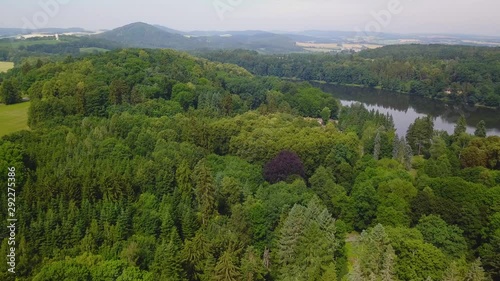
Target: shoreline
x,y
395,92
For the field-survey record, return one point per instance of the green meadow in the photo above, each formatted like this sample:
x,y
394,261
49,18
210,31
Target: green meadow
x,y
6,65
13,118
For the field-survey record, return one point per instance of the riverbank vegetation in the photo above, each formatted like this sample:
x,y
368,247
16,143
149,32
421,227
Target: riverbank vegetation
x,y
156,165
462,74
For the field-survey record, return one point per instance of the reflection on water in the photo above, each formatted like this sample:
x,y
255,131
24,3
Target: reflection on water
x,y
405,108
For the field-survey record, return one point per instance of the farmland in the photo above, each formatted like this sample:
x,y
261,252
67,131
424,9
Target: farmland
x,y
5,66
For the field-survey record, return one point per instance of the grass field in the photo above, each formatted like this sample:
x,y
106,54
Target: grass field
x,y
13,118
5,66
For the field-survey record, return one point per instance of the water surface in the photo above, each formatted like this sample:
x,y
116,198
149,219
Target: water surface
x,y
406,108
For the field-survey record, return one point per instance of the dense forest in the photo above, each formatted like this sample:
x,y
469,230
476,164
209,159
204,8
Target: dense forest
x,y
19,51
455,73
156,165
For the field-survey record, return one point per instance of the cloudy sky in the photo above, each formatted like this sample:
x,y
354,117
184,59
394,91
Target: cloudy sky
x,y
401,16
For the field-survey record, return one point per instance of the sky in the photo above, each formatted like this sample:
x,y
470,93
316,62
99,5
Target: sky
x,y
392,16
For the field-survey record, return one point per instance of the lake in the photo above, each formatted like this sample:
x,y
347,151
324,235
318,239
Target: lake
x,y
406,108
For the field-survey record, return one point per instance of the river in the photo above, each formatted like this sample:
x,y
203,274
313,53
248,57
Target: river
x,y
406,108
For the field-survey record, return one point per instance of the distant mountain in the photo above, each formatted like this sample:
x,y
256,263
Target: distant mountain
x,y
143,35
169,30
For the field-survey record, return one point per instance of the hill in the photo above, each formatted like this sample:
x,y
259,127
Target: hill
x,y
143,35
170,30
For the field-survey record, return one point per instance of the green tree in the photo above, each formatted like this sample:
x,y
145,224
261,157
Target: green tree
x,y
226,269
252,266
325,115
365,203
167,264
307,243
205,191
475,272
9,94
460,127
184,183
419,135
376,148
447,238
376,257
480,129
416,260
438,147
118,92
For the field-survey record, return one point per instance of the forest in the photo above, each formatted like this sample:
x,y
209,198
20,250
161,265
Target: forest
x,y
158,165
31,49
462,74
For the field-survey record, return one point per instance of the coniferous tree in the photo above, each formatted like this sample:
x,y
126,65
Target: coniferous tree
x,y
183,179
205,191
377,257
252,266
226,269
453,273
330,273
419,135
460,127
438,147
408,155
475,272
376,148
395,148
387,272
480,129
307,242
167,264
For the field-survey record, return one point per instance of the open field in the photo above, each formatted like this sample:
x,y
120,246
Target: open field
x,y
6,65
320,45
13,118
361,46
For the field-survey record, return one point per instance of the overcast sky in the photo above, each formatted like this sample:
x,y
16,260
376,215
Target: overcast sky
x,y
406,16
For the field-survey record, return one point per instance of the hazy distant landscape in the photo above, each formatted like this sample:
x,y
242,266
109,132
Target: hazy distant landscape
x,y
144,35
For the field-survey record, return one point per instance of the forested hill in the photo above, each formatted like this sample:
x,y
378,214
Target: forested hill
x,y
146,36
156,165
143,35
456,73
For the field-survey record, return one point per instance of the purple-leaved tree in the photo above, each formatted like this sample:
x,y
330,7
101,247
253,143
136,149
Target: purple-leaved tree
x,y
284,165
